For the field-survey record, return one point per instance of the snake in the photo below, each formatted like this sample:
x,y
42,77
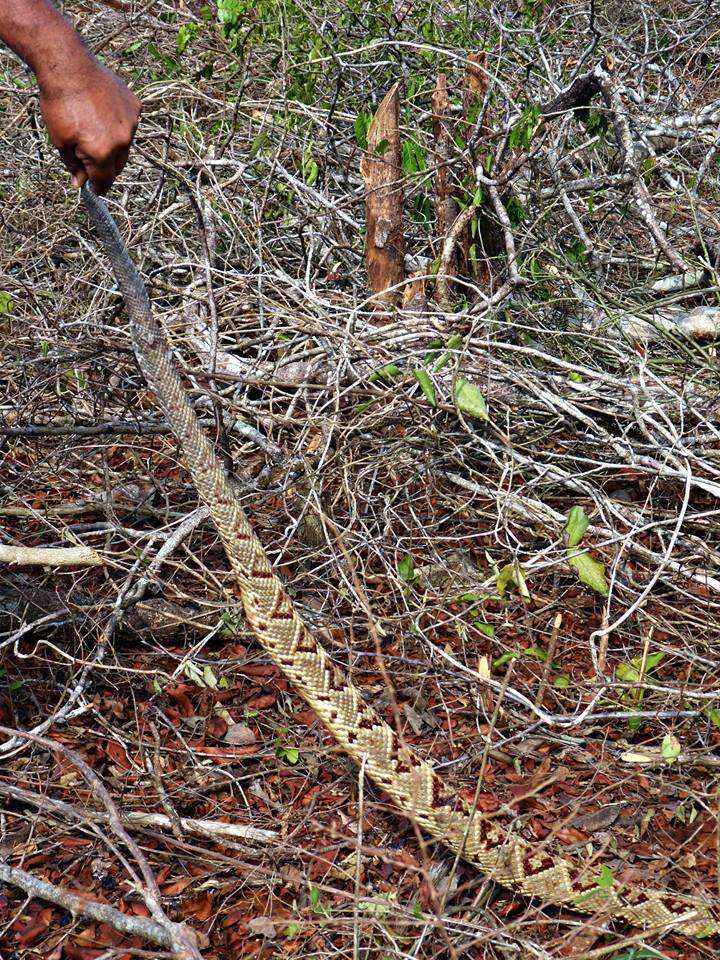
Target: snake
x,y
496,846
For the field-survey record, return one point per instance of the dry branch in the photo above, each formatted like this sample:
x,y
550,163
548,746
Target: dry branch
x,y
79,906
475,98
139,818
445,205
50,556
203,828
181,940
578,97
475,85
448,256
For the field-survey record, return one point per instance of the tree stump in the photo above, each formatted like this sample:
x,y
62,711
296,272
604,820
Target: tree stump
x,y
381,169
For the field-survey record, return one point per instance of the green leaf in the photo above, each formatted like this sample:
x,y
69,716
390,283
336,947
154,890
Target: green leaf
x,y
575,377
311,172
562,682
230,620
362,125
536,271
590,572
605,880
406,569
209,677
515,211
653,659
194,673
289,754
6,302
185,35
714,716
469,399
426,385
412,157
524,130
505,578
631,672
670,748
627,673
169,63
577,524
576,252
634,723
512,573
230,12
387,372
640,953
487,628
292,929
537,653
454,343
132,47
257,144
505,658
380,906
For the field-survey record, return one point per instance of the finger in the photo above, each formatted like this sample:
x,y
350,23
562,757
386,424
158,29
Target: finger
x,y
101,175
71,160
74,165
121,158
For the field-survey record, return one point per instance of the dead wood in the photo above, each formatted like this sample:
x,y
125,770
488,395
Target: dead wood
x,y
381,168
475,114
577,97
446,207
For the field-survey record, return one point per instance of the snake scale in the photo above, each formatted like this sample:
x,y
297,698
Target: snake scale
x,y
417,791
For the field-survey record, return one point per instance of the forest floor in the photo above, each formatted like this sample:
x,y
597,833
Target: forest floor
x,y
498,511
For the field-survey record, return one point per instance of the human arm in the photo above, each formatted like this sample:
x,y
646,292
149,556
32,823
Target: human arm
x,y
90,114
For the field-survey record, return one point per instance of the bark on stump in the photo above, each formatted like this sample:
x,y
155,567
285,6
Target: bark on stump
x,y
381,169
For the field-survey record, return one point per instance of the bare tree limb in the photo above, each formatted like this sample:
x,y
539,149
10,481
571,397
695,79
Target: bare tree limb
x,y
181,939
50,556
180,945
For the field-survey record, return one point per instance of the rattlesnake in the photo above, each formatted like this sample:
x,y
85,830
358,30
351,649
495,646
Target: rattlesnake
x,y
419,793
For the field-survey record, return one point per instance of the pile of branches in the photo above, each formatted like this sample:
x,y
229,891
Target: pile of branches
x,y
482,426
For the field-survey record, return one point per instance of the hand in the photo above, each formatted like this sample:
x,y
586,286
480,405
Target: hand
x,y
91,118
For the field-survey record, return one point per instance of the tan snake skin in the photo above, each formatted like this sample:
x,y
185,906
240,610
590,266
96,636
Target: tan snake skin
x,y
418,792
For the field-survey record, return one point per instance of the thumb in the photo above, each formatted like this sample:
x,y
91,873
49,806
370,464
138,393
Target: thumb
x,y
74,164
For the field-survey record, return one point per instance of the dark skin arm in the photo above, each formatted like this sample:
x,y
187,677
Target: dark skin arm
x,y
90,114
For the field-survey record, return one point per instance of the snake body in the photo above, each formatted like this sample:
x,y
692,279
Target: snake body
x,y
417,791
